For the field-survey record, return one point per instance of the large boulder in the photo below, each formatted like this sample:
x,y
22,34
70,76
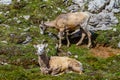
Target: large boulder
x,y
6,2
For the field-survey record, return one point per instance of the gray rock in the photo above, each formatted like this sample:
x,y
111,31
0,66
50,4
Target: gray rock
x,y
114,29
18,0
53,36
28,39
113,6
3,63
26,29
105,9
6,2
73,8
97,5
102,21
15,18
26,17
1,13
18,21
119,45
5,25
80,3
6,13
4,42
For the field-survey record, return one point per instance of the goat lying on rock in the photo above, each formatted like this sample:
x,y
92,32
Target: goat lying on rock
x,y
69,22
55,65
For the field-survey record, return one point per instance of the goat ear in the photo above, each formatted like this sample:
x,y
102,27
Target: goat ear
x,y
35,46
56,46
42,22
46,45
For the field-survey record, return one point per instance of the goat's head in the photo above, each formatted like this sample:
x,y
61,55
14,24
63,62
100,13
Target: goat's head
x,y
42,27
40,48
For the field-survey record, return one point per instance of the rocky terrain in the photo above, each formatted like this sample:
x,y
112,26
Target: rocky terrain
x,y
19,31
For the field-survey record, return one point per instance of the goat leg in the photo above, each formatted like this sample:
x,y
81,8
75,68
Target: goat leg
x,y
89,39
82,37
68,42
60,35
55,71
60,40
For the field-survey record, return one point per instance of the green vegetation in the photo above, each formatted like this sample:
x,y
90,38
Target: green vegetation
x,y
20,61
110,37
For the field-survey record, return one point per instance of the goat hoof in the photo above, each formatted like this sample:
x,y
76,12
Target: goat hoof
x,y
68,45
59,46
89,46
77,44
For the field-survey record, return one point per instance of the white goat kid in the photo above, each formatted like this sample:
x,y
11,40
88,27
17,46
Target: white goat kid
x,y
55,65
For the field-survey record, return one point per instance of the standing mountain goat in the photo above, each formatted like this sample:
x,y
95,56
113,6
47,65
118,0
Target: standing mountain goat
x,y
55,65
69,22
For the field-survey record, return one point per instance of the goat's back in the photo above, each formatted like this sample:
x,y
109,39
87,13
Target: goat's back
x,y
63,62
56,61
71,20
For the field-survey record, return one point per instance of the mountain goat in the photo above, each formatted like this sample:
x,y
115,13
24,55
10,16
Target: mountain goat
x,y
69,22
56,65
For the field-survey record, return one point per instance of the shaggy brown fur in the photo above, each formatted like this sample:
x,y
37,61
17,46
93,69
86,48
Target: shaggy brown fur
x,y
64,64
55,65
70,22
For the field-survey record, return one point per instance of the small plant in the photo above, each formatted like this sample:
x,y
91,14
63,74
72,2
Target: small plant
x,y
109,38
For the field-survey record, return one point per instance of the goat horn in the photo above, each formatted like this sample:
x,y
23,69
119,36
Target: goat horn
x,y
42,22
